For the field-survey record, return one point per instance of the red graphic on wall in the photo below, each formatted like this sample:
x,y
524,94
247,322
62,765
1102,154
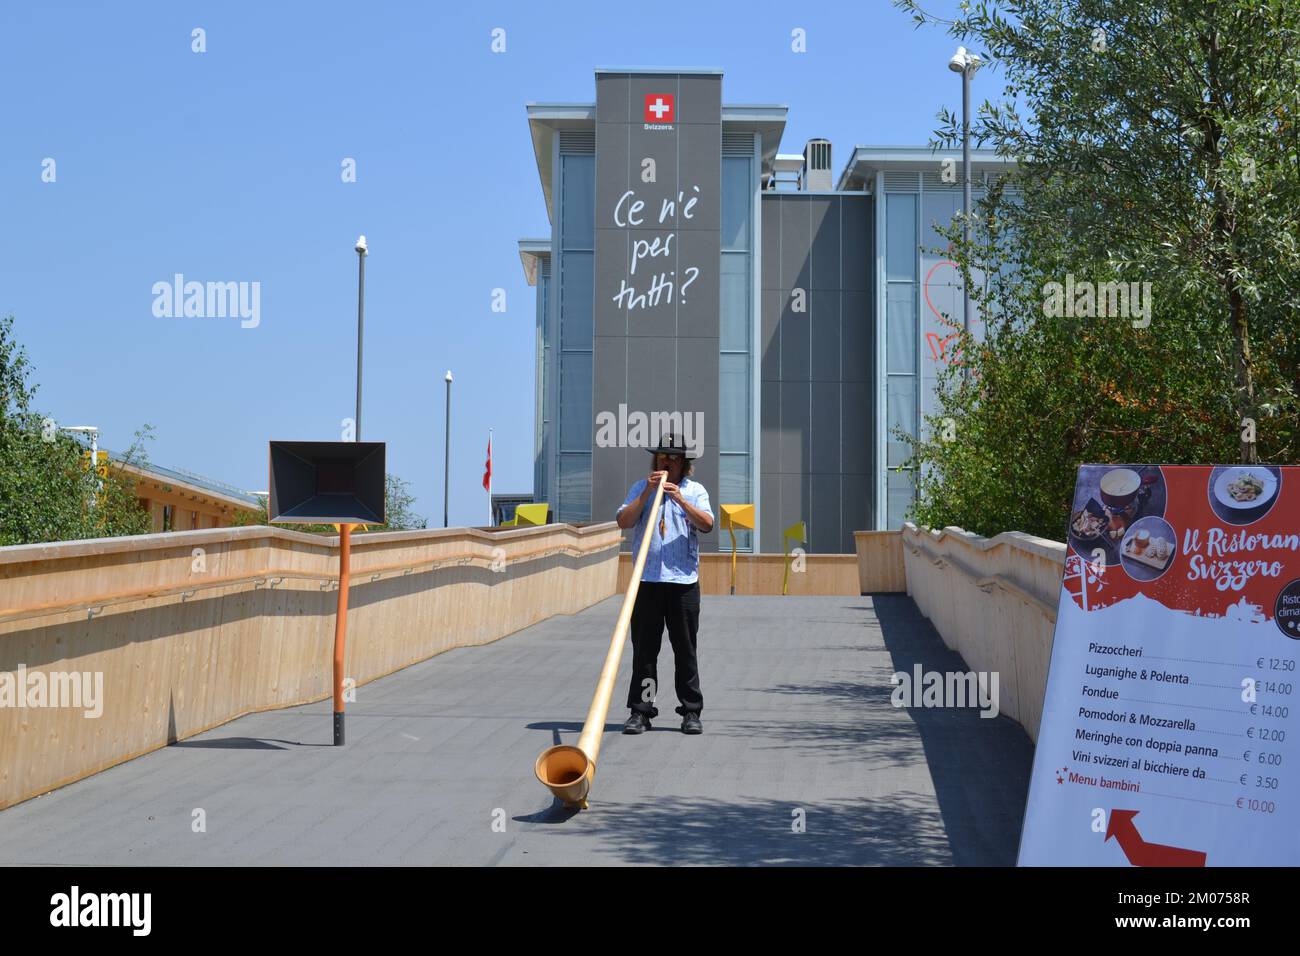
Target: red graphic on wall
x,y
1141,853
659,107
939,347
945,349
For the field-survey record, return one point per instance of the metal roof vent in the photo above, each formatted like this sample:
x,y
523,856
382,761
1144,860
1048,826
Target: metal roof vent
x,y
817,166
577,141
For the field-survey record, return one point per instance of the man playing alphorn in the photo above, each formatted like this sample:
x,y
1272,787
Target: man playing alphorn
x,y
669,593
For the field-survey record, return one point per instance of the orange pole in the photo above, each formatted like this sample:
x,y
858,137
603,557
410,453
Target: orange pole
x,y
341,628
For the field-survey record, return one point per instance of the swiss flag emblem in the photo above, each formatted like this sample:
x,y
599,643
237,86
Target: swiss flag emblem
x,y
659,107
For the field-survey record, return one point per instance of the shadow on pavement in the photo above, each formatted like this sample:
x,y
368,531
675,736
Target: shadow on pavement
x,y
244,743
902,830
980,766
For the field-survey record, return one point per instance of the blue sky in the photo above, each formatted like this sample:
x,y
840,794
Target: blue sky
x,y
225,166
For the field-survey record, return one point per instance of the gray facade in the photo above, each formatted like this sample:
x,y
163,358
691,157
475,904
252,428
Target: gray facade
x,y
818,349
693,274
658,221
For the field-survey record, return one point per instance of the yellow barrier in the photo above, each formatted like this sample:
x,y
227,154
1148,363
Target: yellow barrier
x,y
531,515
733,517
797,532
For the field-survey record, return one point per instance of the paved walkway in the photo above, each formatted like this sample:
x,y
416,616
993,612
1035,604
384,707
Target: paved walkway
x,y
798,726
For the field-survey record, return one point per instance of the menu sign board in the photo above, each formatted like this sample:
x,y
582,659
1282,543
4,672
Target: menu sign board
x,y
1170,723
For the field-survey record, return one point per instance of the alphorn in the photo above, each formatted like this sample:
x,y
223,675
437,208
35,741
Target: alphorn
x,y
568,771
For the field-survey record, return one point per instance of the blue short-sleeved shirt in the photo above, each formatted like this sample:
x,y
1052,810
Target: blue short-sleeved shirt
x,y
675,557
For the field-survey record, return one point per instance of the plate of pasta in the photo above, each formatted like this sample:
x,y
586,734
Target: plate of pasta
x,y
1245,487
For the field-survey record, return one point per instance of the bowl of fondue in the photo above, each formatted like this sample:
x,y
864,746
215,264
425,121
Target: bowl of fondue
x,y
1119,487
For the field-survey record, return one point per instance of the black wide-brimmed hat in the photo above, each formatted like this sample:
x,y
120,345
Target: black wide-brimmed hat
x,y
671,444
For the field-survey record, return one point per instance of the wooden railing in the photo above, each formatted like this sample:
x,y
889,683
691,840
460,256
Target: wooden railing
x,y
876,567
993,600
189,630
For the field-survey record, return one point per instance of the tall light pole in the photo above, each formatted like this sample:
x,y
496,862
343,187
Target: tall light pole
x,y
446,454
361,324
966,64
93,432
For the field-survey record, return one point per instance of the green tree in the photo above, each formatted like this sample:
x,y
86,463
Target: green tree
x,y
47,490
1155,141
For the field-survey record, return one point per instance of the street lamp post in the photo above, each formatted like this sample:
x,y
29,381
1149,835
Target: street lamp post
x,y
966,64
93,432
446,454
361,324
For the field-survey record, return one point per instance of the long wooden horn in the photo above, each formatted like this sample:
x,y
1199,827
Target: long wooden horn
x,y
566,770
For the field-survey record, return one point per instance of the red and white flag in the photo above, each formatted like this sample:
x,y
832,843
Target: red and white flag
x,y
487,474
659,108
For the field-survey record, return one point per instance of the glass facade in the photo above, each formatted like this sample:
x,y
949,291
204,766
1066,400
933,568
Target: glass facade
x,y
577,203
923,317
735,368
545,420
838,311
901,299
920,304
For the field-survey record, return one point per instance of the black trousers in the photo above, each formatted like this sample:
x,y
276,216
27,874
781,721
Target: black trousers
x,y
677,606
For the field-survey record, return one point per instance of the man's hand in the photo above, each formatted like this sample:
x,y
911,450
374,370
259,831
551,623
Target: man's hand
x,y
671,491
629,516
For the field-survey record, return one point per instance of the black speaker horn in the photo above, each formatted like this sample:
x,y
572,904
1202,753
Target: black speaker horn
x,y
326,482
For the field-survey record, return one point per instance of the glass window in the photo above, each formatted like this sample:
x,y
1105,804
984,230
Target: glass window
x,y
900,411
578,201
575,401
543,344
736,328
544,305
542,395
943,306
734,302
939,209
900,327
733,489
737,201
733,402
575,488
899,497
576,300
900,236
733,479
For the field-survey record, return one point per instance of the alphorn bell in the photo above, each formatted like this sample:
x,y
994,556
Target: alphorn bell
x,y
568,771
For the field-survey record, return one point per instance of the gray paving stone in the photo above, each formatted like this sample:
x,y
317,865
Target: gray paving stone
x,y
797,718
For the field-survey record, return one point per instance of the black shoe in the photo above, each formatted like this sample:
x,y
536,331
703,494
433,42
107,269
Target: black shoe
x,y
691,723
637,723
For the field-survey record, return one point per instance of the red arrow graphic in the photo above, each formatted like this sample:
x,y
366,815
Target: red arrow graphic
x,y
1140,852
939,347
